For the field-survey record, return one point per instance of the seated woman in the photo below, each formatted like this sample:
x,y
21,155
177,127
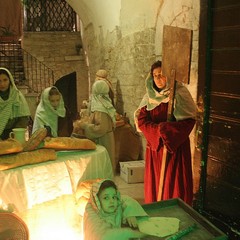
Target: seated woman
x,y
51,107
14,110
110,216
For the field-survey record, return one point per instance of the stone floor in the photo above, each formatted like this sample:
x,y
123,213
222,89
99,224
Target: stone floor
x,y
134,190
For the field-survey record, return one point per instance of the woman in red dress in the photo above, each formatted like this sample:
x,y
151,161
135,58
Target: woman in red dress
x,y
151,120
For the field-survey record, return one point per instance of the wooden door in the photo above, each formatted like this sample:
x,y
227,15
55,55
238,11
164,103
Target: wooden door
x,y
219,121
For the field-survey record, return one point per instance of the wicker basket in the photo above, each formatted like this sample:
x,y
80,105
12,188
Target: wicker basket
x,y
12,227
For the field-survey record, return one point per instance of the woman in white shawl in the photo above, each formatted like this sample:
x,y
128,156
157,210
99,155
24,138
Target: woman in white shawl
x,y
14,110
111,216
51,107
151,120
102,119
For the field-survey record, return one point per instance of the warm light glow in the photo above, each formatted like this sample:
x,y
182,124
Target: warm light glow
x,y
55,220
3,206
56,232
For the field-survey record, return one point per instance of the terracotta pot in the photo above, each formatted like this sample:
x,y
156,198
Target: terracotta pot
x,y
9,39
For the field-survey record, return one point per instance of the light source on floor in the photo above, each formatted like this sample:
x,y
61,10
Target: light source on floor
x,y
56,231
56,220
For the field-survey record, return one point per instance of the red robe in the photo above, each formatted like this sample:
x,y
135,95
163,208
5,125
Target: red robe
x,y
178,182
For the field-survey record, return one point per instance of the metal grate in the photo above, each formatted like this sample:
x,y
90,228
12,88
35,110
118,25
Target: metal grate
x,y
49,15
11,58
26,69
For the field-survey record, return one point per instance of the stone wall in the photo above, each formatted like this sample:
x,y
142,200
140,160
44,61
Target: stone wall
x,y
128,50
57,50
127,54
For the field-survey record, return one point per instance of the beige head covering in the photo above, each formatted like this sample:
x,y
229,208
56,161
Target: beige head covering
x,y
101,74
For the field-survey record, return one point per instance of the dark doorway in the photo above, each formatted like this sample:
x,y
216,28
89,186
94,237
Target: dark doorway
x,y
67,86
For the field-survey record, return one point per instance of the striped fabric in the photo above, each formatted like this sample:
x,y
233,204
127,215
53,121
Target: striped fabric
x,y
15,106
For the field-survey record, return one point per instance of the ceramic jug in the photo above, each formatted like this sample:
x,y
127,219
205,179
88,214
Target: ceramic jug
x,y
18,134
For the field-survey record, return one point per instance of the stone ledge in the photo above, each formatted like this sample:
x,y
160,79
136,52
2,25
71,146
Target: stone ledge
x,y
73,58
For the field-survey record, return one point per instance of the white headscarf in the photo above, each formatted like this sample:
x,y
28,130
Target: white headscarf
x,y
102,74
47,115
153,98
15,106
184,106
100,100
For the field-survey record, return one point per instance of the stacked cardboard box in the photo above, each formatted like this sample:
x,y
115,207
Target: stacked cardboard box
x,y
132,171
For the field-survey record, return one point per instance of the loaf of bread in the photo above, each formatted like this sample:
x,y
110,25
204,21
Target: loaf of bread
x,y
35,140
78,132
10,146
25,158
69,143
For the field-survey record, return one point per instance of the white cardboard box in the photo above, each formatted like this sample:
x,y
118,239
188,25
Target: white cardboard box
x,y
132,171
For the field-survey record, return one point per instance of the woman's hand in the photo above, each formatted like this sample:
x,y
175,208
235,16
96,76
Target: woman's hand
x,y
79,125
132,222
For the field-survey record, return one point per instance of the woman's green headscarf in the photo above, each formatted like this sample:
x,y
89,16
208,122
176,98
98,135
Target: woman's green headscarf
x,y
13,107
46,115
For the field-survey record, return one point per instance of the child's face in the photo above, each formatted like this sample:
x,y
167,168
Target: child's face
x,y
54,100
108,199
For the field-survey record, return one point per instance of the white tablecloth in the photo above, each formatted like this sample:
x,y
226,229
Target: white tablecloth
x,y
29,185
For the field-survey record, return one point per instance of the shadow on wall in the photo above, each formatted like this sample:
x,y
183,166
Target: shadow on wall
x,y
130,150
119,99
